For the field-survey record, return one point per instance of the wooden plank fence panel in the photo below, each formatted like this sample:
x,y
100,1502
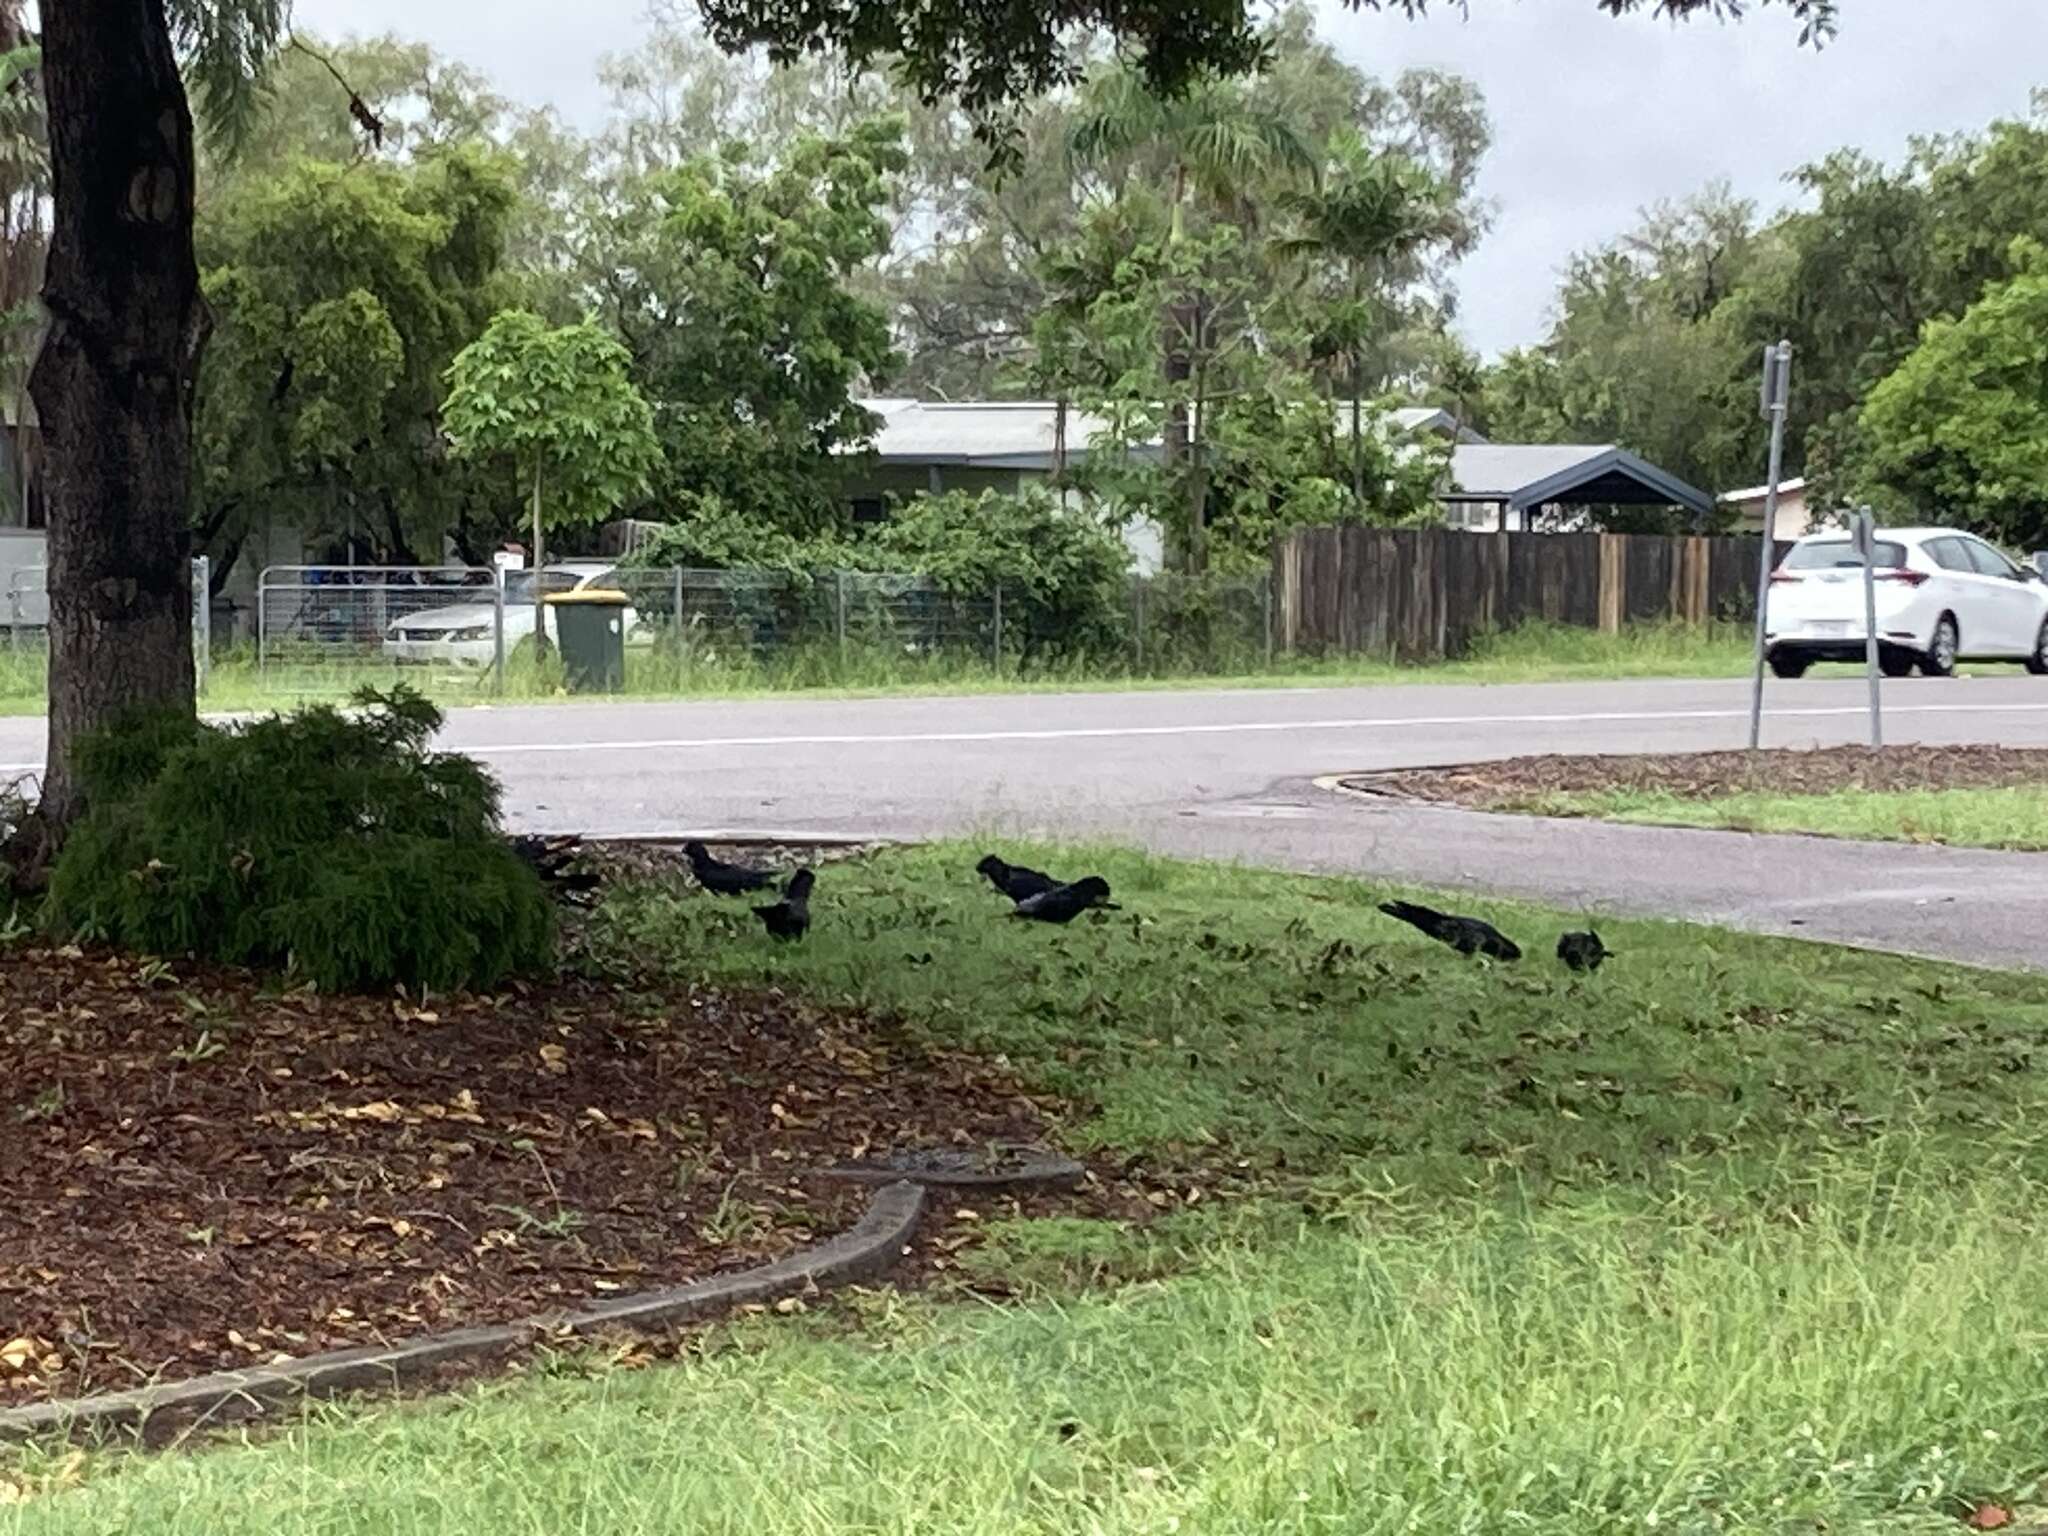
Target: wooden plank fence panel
x,y
1425,593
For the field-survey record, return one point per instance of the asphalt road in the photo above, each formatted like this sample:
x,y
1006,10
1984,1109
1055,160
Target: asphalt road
x,y
1231,774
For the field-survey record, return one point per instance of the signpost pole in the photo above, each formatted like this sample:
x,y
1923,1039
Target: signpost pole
x,y
1866,545
1777,397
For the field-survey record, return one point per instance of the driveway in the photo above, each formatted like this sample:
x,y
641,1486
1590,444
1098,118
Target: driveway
x,y
1230,774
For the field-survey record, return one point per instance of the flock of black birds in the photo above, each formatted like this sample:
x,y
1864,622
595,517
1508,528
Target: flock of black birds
x,y
1582,952
1034,896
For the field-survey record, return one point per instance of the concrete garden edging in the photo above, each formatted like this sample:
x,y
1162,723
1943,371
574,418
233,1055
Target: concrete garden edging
x,y
1032,1172
864,1252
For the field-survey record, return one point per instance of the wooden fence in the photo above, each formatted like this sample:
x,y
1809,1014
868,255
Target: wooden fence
x,y
1425,593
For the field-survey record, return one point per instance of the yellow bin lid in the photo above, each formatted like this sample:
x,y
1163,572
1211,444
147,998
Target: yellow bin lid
x,y
596,597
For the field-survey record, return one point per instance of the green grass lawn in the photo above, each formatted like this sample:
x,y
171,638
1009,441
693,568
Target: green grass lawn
x,y
1739,1235
2015,817
1533,653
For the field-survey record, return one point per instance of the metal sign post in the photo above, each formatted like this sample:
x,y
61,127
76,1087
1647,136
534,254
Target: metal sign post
x,y
1776,399
1866,546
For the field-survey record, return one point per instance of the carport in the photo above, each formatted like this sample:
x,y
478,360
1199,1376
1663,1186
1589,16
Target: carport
x,y
1503,487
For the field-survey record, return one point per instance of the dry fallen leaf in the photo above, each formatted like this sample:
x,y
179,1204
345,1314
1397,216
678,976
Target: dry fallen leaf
x,y
554,1058
18,1354
1989,1517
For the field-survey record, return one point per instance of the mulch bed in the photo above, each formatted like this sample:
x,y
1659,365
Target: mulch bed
x,y
1521,781
200,1171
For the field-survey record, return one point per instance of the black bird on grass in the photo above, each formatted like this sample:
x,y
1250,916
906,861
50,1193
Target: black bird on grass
x,y
555,860
721,878
790,918
1063,903
1467,935
1014,880
1583,951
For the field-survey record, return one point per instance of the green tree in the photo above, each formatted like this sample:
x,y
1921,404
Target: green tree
x,y
1647,349
1208,151
731,283
560,406
1960,428
341,296
1369,212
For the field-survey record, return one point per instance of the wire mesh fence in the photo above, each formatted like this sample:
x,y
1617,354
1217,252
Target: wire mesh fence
x,y
687,630
25,632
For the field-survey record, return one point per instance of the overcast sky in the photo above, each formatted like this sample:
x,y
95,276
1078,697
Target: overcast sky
x,y
1594,118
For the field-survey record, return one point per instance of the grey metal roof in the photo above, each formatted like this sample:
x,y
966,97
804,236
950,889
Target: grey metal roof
x,y
1574,474
1019,434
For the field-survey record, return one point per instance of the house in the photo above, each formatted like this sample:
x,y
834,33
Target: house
x,y
1518,487
1795,518
927,447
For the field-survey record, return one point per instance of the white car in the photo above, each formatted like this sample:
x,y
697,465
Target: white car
x,y
464,635
1943,596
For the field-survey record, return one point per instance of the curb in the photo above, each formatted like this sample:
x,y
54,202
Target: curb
x,y
732,838
1040,1174
864,1252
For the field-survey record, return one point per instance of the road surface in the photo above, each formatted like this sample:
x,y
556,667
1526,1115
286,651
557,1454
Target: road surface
x,y
1231,774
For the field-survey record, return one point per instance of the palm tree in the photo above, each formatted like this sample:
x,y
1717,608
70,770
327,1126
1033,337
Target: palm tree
x,y
1368,214
1217,152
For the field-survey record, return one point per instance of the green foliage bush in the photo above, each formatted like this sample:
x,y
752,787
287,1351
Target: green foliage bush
x,y
1064,577
336,847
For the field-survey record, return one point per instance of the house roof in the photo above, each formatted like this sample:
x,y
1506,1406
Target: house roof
x,y
1566,474
1020,434
1423,418
998,434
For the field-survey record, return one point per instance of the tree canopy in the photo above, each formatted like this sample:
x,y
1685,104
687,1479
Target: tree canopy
x,y
1962,423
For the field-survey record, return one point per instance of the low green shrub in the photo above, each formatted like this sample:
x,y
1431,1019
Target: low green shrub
x,y
336,847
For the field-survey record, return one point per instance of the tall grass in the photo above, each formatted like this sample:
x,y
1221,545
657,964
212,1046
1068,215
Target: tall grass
x,y
1856,1347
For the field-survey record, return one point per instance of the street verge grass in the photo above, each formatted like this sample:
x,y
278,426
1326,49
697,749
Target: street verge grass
x,y
1736,1236
2014,817
1533,653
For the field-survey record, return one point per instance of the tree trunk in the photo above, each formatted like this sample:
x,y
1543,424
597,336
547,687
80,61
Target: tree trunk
x,y
1180,368
113,385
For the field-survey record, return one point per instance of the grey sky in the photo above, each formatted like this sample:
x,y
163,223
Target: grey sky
x,y
1594,118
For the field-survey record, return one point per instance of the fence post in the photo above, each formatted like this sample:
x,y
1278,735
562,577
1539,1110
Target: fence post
x,y
202,621
1138,620
675,576
262,623
1268,587
498,623
999,629
839,615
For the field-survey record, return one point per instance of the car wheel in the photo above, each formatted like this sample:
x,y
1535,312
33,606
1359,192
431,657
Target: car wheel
x,y
2038,662
1790,664
1939,660
1895,663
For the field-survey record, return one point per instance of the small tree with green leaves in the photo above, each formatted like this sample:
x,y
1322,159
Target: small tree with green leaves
x,y
560,406
1960,429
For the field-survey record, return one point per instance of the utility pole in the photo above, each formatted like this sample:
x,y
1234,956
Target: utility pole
x,y
1777,400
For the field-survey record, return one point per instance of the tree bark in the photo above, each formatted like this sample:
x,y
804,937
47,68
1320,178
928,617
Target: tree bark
x,y
113,385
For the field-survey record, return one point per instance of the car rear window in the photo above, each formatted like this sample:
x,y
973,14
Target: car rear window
x,y
1833,554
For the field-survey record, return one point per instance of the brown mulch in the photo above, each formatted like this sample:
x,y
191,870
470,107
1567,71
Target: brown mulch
x,y
199,1172
1703,775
